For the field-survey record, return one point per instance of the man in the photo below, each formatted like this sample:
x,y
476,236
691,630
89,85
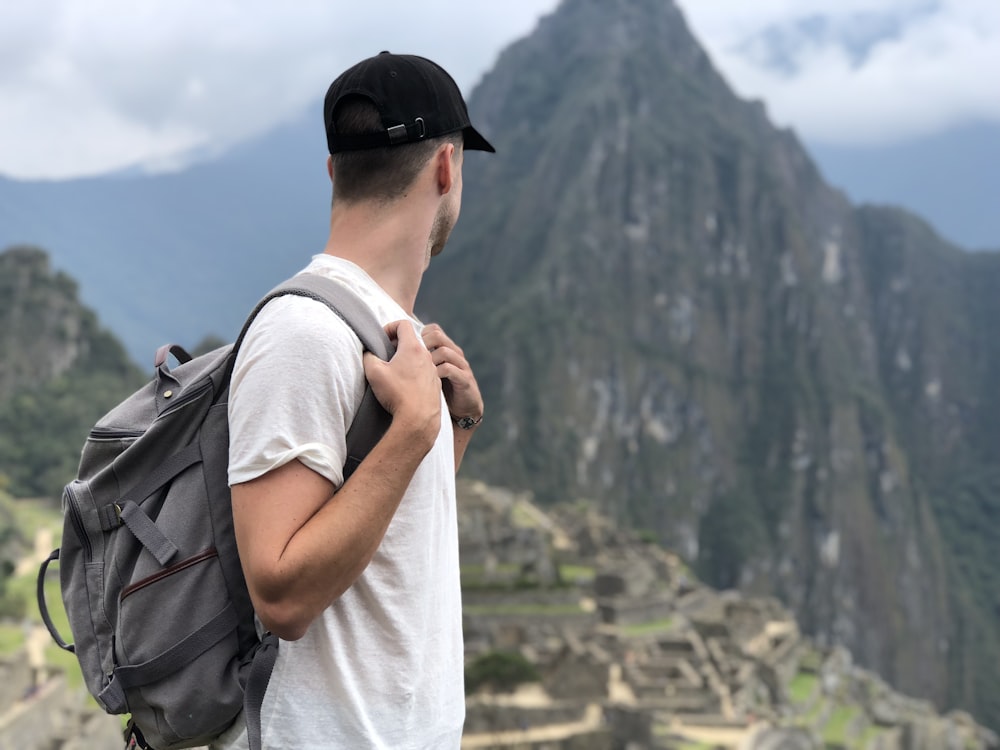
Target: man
x,y
360,578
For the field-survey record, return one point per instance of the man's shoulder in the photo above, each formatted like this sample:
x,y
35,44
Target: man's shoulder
x,y
293,336
298,318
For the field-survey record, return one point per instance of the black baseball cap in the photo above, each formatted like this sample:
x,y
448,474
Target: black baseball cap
x,y
416,98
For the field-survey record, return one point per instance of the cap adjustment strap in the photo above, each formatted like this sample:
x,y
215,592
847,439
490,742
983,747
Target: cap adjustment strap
x,y
404,133
389,137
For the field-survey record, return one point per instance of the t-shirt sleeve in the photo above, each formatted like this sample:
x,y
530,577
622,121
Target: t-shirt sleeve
x,y
296,386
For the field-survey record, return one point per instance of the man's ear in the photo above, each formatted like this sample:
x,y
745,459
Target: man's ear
x,y
445,167
329,167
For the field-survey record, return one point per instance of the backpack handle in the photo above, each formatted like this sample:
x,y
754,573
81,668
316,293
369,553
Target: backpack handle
x,y
44,609
179,352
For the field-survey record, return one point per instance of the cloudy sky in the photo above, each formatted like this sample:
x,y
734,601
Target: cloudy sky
x,y
96,86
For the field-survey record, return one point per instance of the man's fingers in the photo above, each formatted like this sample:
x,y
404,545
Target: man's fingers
x,y
445,355
455,375
435,338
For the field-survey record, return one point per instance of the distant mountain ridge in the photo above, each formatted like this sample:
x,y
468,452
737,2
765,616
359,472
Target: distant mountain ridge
x,y
913,173
176,257
669,312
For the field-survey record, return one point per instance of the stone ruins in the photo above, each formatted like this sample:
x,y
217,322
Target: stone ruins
x,y
632,652
614,645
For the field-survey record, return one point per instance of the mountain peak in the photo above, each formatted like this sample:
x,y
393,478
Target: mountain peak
x,y
582,55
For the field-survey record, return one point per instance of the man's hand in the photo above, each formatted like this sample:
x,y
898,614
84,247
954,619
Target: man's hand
x,y
461,391
407,385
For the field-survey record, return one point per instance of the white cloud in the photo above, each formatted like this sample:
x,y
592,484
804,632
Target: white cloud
x,y
932,69
90,87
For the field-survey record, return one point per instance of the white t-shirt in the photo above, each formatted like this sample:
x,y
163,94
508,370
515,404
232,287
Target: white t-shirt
x,y
382,667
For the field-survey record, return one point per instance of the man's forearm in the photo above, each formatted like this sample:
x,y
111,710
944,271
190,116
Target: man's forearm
x,y
462,440
327,552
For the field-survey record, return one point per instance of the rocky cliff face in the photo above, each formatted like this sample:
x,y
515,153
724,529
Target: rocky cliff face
x,y
672,314
40,322
59,371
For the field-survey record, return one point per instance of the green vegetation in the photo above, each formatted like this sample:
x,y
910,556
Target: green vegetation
x,y
967,503
647,628
812,716
529,610
20,520
576,574
43,427
18,596
695,745
840,724
30,516
802,688
522,517
505,577
730,535
837,727
11,544
870,735
501,671
474,574
23,519
11,638
811,661
513,576
61,372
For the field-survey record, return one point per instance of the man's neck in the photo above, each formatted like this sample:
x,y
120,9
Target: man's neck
x,y
388,243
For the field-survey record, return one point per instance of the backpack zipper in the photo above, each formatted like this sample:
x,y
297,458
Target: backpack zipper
x,y
112,433
187,397
77,521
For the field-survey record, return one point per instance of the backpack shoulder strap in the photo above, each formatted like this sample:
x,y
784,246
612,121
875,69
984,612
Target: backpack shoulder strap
x,y
371,421
345,303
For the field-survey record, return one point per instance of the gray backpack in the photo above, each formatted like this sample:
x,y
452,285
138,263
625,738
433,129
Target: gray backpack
x,y
161,618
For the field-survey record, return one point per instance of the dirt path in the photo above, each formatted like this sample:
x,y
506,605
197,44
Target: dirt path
x,y
28,565
592,720
736,738
37,637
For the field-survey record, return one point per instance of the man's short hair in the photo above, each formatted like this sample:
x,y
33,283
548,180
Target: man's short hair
x,y
380,174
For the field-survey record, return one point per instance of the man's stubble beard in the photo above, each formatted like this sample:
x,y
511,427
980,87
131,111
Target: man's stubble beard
x,y
444,222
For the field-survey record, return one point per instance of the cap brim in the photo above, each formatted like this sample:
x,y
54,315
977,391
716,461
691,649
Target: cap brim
x,y
473,141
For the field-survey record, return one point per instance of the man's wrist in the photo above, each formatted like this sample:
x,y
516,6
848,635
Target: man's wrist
x,y
466,423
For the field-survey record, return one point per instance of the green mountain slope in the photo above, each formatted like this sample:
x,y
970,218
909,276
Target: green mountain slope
x,y
59,371
670,312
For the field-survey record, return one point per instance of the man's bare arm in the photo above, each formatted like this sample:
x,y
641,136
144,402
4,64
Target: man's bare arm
x,y
301,544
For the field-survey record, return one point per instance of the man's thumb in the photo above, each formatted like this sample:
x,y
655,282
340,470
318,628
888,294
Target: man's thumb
x,y
372,365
